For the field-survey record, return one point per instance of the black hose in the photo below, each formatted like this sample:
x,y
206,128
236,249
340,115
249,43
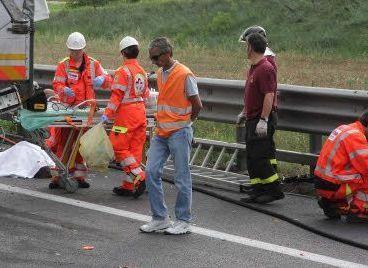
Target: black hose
x,y
281,217
271,213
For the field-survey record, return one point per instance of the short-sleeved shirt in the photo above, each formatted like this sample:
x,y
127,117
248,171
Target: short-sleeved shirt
x,y
262,79
191,87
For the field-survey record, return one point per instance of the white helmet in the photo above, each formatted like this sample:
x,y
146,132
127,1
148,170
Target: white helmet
x,y
76,41
127,41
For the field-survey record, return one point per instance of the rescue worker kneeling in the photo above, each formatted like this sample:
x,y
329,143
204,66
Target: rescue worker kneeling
x,y
342,172
127,108
76,79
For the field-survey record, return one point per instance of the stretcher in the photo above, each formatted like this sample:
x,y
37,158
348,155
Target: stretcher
x,y
79,118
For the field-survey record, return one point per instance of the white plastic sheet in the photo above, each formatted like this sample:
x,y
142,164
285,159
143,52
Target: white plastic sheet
x,y
23,160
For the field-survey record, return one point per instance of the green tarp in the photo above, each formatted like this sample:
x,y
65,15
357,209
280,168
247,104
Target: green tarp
x,y
35,120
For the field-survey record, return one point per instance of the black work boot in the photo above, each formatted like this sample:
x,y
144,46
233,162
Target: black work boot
x,y
272,192
140,189
122,192
329,209
270,197
83,184
252,195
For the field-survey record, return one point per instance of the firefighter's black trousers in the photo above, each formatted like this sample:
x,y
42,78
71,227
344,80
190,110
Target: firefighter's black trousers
x,y
261,156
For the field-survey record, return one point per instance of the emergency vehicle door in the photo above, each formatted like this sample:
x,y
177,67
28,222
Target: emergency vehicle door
x,y
16,49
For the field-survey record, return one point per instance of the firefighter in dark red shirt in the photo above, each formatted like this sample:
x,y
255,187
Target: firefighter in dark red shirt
x,y
269,54
261,119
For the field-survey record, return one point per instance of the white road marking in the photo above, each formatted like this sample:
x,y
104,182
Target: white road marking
x,y
198,230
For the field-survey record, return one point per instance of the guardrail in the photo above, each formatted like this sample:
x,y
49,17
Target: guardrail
x,y
312,110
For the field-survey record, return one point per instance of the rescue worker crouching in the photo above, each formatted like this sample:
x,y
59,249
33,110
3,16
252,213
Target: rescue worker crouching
x,y
127,108
341,173
76,78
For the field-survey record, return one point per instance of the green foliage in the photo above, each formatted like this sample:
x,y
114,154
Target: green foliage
x,y
8,126
307,26
214,131
220,23
94,3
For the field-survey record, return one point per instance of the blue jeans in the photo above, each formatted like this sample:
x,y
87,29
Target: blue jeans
x,y
178,145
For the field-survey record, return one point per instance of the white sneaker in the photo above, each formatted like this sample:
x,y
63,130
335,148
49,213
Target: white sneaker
x,y
179,227
156,225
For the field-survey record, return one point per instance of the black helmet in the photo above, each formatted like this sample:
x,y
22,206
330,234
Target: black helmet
x,y
251,30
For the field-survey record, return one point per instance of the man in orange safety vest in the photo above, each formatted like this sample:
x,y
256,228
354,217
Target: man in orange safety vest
x,y
178,107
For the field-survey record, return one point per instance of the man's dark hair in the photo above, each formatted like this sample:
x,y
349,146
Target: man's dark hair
x,y
257,42
163,44
131,52
364,118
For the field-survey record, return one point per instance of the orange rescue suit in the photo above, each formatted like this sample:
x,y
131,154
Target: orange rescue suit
x,y
80,80
343,161
127,108
67,74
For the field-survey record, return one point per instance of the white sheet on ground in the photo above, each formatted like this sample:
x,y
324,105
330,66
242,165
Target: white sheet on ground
x,y
23,160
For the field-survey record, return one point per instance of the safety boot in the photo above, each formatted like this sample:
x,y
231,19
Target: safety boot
x,y
268,198
252,195
329,209
83,184
250,199
139,190
128,189
271,192
121,191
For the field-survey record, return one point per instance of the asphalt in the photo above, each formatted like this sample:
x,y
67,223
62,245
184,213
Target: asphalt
x,y
304,210
36,232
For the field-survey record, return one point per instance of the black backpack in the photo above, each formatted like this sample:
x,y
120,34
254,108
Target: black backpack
x,y
37,103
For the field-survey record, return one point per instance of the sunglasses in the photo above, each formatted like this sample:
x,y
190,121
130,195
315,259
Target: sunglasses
x,y
155,57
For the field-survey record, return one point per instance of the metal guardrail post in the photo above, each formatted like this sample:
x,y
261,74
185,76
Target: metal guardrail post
x,y
315,145
240,138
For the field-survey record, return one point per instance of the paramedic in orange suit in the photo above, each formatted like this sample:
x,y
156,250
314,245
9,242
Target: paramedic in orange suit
x,y
126,107
76,79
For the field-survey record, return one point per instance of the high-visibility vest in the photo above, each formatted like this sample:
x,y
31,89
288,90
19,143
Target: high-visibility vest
x,y
173,107
344,156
